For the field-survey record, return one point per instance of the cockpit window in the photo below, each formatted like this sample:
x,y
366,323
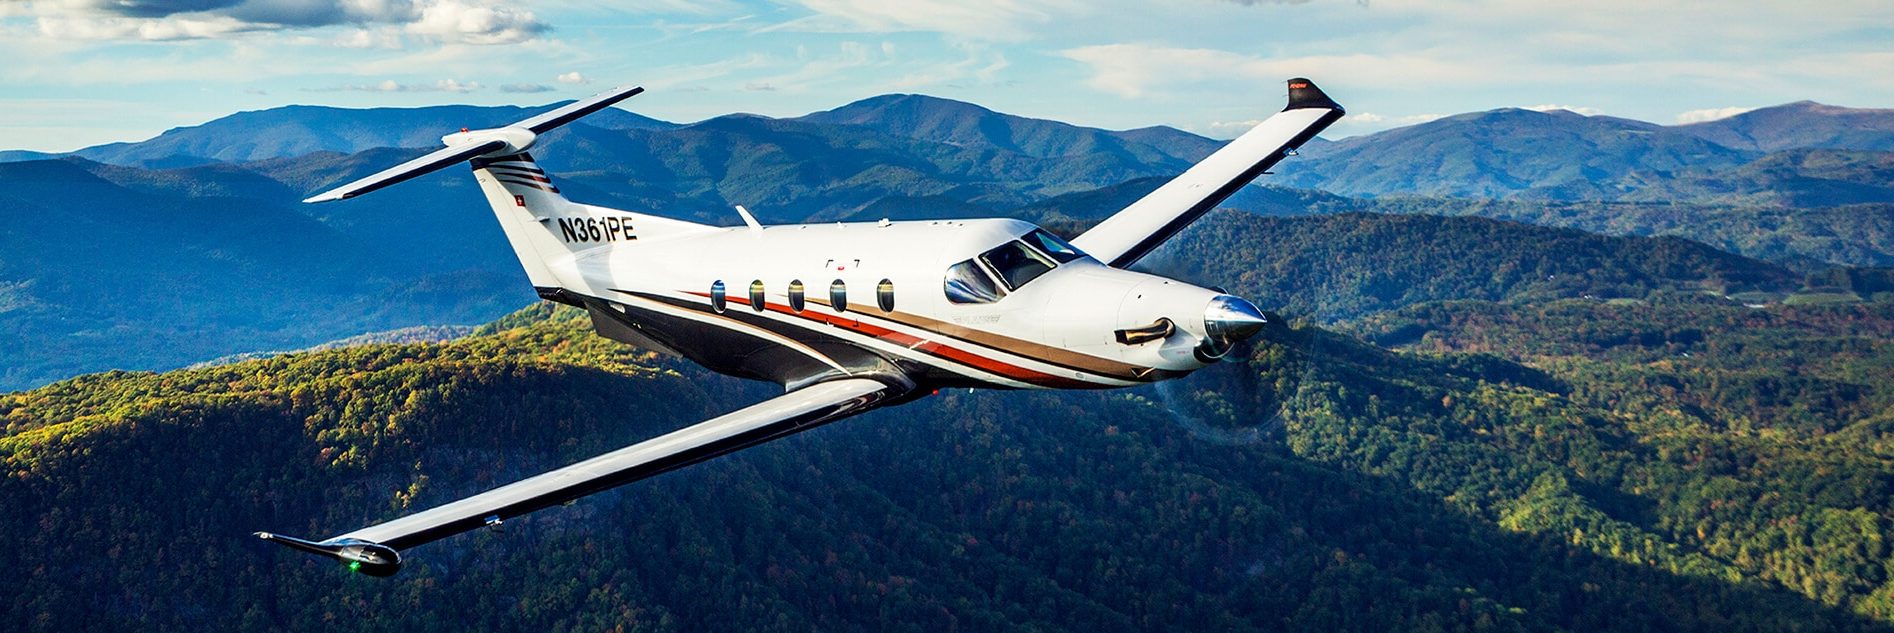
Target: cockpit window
x,y
967,283
1016,264
1051,245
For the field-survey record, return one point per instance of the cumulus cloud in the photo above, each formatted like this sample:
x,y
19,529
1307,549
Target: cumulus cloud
x,y
448,21
525,88
1370,119
390,85
573,78
1709,114
1253,3
990,20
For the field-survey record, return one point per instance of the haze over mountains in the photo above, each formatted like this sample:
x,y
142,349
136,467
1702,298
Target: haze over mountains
x,y
192,245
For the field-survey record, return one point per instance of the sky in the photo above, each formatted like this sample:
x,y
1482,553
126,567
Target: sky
x,y
84,72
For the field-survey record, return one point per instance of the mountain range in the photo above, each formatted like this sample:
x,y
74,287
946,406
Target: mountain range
x,y
191,245
1638,382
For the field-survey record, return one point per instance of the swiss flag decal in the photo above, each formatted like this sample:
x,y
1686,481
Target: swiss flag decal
x,y
519,200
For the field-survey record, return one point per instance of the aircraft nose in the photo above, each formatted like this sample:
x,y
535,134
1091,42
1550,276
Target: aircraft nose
x,y
1229,319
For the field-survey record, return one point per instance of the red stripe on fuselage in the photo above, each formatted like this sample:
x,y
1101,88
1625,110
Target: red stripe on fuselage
x,y
933,348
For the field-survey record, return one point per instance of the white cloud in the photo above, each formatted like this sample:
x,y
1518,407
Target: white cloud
x,y
1134,70
446,21
1709,114
149,29
1370,119
465,23
573,78
525,88
370,38
390,85
986,20
1549,107
982,63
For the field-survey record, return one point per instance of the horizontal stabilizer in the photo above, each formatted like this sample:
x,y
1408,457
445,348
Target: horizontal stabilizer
x,y
411,169
468,145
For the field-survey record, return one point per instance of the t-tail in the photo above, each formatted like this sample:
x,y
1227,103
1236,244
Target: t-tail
x,y
547,231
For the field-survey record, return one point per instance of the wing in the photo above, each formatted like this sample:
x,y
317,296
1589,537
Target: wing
x,y
1131,233
374,549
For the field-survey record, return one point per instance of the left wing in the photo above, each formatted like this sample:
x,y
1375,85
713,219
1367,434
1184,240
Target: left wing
x,y
1131,233
373,550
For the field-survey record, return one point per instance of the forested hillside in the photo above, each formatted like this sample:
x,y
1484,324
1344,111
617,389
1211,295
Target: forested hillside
x,y
1347,265
1321,485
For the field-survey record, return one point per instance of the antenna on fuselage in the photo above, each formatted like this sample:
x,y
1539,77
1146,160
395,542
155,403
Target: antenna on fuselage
x,y
749,219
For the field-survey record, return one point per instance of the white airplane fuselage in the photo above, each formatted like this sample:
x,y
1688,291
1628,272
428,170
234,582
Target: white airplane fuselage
x,y
896,318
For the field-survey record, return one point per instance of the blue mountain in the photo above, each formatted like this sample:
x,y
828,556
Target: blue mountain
x,y
1801,125
298,130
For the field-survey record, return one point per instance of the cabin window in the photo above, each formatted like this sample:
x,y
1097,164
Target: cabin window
x,y
716,296
884,295
756,295
795,295
968,283
1051,245
1016,264
838,296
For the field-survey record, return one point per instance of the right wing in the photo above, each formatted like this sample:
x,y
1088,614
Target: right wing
x,y
1138,229
373,550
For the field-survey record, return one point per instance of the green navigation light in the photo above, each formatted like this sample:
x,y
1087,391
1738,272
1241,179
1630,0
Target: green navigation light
x,y
355,565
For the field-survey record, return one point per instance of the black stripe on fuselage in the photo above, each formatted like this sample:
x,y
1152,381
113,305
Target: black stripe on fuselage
x,y
758,320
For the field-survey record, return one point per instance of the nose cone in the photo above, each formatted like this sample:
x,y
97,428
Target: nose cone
x,y
1229,319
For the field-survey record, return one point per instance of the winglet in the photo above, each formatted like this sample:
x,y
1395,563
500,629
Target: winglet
x,y
366,557
1304,94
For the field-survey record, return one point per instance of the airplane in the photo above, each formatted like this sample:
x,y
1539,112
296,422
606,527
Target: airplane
x,y
847,317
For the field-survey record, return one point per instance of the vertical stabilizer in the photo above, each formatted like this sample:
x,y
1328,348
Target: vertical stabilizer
x,y
549,232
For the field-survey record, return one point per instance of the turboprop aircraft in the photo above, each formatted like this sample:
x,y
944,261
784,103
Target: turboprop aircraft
x,y
847,317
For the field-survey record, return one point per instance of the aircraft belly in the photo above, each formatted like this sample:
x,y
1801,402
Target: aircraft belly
x,y
730,344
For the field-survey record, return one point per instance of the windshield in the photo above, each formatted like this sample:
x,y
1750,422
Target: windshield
x,y
966,283
1051,245
1016,264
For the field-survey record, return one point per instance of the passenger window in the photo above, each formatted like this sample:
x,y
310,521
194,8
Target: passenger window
x,y
884,295
716,296
756,295
795,295
1051,245
967,283
838,296
1016,264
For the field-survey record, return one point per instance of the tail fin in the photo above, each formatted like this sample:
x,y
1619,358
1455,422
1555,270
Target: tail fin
x,y
547,231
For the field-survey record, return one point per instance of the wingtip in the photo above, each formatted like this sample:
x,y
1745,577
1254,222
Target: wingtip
x,y
1304,94
326,196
